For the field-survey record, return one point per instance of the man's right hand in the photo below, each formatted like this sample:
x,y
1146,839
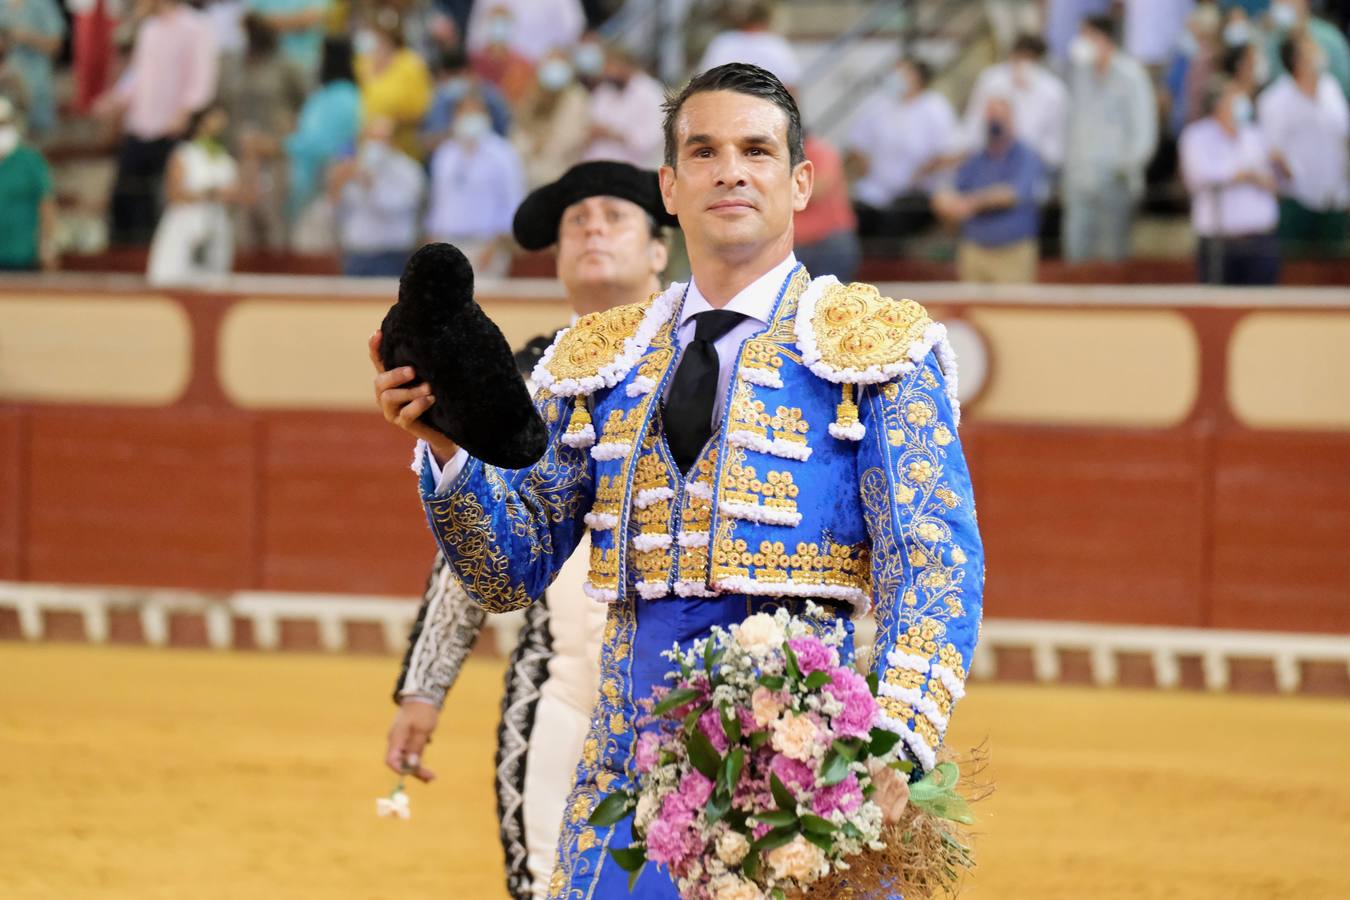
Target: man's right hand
x,y
409,736
404,406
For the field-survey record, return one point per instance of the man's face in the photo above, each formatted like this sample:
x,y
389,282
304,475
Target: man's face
x,y
733,185
607,241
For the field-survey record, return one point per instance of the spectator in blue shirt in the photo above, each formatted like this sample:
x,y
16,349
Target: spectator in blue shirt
x,y
993,199
455,79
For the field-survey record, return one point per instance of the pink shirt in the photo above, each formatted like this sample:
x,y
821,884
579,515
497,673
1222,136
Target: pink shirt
x,y
829,211
172,72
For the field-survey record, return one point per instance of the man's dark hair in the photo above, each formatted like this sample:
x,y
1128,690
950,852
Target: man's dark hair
x,y
1289,53
337,61
1028,44
260,36
741,78
1232,59
922,69
1103,25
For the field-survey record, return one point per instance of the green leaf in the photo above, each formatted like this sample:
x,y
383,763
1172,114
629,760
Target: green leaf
x,y
731,724
630,859
776,819
794,671
719,804
883,742
734,764
816,825
834,770
677,697
667,757
776,838
772,682
750,865
781,795
848,749
759,739
817,680
777,894
873,683
691,719
634,875
702,755
613,808
823,841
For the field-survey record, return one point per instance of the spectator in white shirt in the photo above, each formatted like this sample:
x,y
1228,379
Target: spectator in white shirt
x,y
1305,121
1040,102
477,182
752,41
377,196
1113,131
1152,28
626,114
533,27
1227,170
901,138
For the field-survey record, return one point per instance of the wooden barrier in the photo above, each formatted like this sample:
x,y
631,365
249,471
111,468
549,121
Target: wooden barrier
x,y
1145,456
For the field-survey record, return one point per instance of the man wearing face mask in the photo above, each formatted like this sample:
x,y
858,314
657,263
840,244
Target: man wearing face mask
x,y
28,226
1226,167
1306,123
605,222
554,122
497,61
626,113
1113,131
532,27
1040,102
588,58
477,181
454,79
901,137
377,196
993,200
1291,18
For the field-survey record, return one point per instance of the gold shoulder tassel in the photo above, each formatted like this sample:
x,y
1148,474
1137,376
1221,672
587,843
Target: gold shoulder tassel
x,y
580,432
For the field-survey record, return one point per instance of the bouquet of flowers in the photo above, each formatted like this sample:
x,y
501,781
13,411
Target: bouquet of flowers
x,y
756,768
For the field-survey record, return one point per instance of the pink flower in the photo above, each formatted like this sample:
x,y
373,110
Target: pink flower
x,y
845,797
675,810
710,723
860,707
760,830
695,789
813,654
797,776
648,751
670,842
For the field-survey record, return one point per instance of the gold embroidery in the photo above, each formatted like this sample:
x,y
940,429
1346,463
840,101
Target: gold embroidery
x,y
741,484
846,565
846,413
856,327
479,563
621,429
604,567
760,354
595,341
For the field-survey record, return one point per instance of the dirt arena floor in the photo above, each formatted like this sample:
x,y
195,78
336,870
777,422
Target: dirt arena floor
x,y
137,773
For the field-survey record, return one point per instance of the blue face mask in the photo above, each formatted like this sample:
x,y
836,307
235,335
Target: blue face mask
x,y
995,131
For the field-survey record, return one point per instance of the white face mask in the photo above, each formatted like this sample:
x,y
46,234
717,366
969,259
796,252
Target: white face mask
x,y
372,151
1082,51
589,59
9,139
555,74
1187,45
471,126
1283,16
1237,33
365,42
896,85
498,30
1242,110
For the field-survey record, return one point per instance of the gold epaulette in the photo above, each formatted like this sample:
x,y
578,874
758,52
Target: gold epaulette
x,y
594,352
859,336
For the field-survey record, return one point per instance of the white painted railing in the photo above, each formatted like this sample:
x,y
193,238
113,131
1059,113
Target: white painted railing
x,y
266,611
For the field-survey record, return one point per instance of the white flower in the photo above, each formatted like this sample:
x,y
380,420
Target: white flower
x,y
733,887
796,737
799,859
646,809
732,847
764,703
396,804
760,634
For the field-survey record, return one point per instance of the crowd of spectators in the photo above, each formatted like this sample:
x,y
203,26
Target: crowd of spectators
x,y
363,128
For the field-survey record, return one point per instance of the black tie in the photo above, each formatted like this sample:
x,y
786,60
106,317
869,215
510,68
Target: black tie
x,y
693,391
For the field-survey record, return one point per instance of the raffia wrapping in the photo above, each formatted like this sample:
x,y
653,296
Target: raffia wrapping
x,y
925,856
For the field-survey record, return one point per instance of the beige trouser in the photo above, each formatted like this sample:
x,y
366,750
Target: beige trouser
x,y
1013,263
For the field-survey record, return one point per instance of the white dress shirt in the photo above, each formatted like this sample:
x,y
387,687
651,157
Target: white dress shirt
x,y
898,137
634,112
474,191
1040,107
1210,159
755,302
760,48
1311,133
1152,28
